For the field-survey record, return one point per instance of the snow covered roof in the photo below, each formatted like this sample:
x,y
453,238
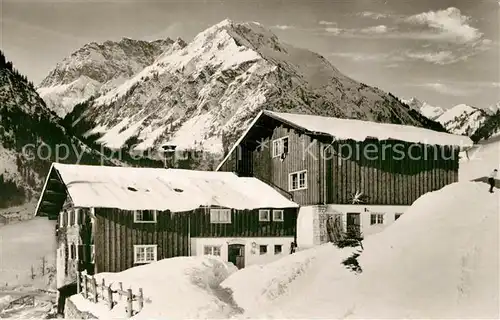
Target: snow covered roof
x,y
359,130
176,190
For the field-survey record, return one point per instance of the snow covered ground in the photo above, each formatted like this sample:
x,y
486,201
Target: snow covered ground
x,y
481,160
439,260
176,288
23,245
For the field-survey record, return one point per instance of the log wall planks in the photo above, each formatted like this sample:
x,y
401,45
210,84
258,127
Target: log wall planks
x,y
116,233
387,172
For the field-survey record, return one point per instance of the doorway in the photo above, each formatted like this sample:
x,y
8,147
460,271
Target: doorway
x,y
236,255
353,225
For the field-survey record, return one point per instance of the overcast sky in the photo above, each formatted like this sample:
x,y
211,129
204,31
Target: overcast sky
x,y
444,52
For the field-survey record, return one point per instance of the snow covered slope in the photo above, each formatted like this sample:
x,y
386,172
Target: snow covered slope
x,y
462,119
29,136
480,160
203,95
176,288
438,261
23,245
424,108
95,69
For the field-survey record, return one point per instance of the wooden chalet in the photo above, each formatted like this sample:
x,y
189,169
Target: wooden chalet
x,y
367,172
114,218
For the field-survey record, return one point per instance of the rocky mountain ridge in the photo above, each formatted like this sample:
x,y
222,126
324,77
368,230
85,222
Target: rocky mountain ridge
x,y
203,94
95,69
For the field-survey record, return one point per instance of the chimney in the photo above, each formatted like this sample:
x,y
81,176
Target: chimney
x,y
169,151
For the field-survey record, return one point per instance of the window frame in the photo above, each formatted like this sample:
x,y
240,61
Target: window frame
x,y
218,220
290,180
213,248
282,215
155,216
278,146
280,250
268,215
379,218
260,249
144,247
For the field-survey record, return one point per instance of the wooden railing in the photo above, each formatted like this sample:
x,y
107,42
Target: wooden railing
x,y
91,290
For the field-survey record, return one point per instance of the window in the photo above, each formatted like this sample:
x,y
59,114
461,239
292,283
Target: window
x,y
220,215
376,218
396,216
72,252
263,249
278,248
264,215
145,253
297,181
277,215
212,250
280,146
145,216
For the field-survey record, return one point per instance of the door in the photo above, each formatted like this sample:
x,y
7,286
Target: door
x,y
236,255
353,225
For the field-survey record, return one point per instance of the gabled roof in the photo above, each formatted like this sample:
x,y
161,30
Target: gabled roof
x,y
176,190
359,130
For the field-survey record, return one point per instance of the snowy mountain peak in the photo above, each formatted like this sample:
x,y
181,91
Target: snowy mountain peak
x,y
462,119
203,94
424,108
96,68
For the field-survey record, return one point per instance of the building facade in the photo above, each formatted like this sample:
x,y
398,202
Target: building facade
x,y
367,172
112,219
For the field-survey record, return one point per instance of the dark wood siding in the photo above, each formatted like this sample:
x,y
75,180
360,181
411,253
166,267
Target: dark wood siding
x,y
303,154
244,223
387,175
116,234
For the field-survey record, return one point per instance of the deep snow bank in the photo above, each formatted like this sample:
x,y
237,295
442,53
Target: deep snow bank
x,y
257,287
439,260
176,288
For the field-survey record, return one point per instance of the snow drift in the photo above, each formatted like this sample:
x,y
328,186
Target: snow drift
x,y
439,260
176,288
256,287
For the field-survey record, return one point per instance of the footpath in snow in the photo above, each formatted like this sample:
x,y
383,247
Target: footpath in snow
x,y
439,260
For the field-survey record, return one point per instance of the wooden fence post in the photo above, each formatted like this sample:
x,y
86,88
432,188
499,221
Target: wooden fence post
x,y
110,297
94,289
78,284
103,288
129,303
141,299
120,287
85,286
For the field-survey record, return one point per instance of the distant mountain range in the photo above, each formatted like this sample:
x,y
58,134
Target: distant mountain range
x,y
202,95
461,119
